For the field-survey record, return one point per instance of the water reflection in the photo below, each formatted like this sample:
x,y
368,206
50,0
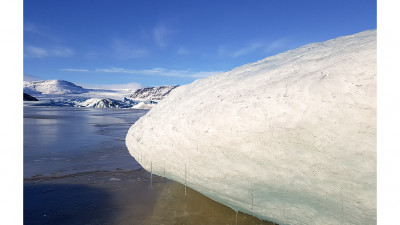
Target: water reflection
x,y
70,140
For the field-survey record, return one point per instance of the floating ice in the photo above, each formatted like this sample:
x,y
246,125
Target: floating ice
x,y
115,179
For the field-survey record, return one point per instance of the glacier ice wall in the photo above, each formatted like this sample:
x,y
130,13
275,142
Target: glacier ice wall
x,y
290,138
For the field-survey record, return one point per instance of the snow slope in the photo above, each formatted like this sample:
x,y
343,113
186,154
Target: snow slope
x,y
290,138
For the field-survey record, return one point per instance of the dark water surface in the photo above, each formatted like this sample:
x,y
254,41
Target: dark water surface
x,y
61,140
77,170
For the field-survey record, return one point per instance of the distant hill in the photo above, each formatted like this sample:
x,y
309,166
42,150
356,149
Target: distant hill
x,y
151,93
65,93
52,87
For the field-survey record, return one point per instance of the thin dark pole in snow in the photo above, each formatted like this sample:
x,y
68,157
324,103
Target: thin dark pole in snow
x,y
236,217
341,199
185,178
251,200
151,174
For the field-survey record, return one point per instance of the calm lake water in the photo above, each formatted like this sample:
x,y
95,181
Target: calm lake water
x,y
61,140
77,156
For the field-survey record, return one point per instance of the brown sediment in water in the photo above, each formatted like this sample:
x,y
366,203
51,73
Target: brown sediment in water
x,y
122,197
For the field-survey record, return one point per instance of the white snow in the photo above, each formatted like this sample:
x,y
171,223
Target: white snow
x,y
290,138
143,105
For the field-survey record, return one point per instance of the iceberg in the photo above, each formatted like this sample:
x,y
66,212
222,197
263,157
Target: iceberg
x,y
290,138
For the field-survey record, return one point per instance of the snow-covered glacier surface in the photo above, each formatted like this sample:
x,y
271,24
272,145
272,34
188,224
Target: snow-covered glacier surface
x,y
290,138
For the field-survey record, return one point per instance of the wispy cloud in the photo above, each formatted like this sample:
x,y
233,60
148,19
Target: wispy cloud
x,y
124,50
62,52
40,52
248,49
131,86
33,28
35,52
183,51
161,35
154,71
75,70
161,72
253,47
280,43
40,31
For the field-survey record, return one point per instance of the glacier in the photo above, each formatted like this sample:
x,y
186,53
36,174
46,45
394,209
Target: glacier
x,y
290,138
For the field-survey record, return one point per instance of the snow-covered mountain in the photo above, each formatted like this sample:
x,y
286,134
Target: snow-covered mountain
x,y
65,93
52,87
151,93
290,138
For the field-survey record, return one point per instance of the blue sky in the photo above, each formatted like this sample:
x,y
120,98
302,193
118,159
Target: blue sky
x,y
132,43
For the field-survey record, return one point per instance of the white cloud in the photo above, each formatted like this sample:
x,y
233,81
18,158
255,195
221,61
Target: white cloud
x,y
248,49
280,43
124,50
154,71
75,70
40,31
40,52
35,52
161,72
161,35
221,51
30,27
131,86
183,51
254,46
62,52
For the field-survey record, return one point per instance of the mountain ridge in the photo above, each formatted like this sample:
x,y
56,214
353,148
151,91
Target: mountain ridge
x,y
66,93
